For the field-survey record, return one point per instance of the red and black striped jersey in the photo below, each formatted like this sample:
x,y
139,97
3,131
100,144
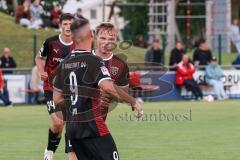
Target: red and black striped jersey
x,y
119,72
78,78
55,50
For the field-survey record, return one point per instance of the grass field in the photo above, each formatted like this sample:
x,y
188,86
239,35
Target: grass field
x,y
199,131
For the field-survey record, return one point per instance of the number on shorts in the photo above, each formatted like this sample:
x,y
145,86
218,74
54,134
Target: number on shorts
x,y
115,155
73,87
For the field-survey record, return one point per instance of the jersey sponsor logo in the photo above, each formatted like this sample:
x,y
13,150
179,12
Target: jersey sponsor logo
x,y
114,70
105,71
58,59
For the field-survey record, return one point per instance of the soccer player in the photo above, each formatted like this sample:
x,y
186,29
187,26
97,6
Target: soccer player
x,y
53,51
106,38
75,86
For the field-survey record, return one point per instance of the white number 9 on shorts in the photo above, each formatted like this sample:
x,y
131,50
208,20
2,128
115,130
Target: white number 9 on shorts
x,y
115,155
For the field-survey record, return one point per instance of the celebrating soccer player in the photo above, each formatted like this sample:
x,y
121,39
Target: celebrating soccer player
x,y
77,83
106,40
53,51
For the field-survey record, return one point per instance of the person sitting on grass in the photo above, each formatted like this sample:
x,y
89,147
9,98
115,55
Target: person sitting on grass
x,y
213,75
184,77
23,14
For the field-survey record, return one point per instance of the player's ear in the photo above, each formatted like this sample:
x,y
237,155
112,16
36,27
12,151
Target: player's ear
x,y
91,33
60,27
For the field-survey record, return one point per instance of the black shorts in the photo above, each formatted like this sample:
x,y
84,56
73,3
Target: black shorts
x,y
68,145
49,100
100,148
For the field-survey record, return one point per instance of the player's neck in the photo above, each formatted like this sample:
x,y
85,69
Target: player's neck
x,y
84,45
66,39
103,55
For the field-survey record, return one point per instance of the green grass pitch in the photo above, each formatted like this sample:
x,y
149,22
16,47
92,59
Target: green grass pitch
x,y
175,130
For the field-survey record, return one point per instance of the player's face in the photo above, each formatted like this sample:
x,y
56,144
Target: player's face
x,y
106,41
65,27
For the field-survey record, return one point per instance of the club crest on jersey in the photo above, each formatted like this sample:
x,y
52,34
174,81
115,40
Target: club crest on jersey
x,y
114,70
105,71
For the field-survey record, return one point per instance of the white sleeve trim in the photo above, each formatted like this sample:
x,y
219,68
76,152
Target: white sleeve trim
x,y
40,55
124,86
103,79
57,89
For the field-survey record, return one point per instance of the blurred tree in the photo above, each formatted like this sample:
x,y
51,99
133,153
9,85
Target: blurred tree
x,y
235,8
197,26
137,18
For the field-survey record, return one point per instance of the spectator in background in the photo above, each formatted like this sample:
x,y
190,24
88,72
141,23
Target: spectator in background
x,y
176,55
23,14
3,6
55,15
236,62
7,61
4,95
202,55
154,54
140,42
184,77
36,12
78,14
235,34
213,78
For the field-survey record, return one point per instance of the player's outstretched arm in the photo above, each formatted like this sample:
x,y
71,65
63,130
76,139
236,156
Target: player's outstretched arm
x,y
118,93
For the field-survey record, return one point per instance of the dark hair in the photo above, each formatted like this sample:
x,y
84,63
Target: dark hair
x,y
66,16
202,41
155,41
79,23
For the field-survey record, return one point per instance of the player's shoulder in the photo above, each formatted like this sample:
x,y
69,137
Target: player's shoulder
x,y
52,38
84,54
120,59
78,52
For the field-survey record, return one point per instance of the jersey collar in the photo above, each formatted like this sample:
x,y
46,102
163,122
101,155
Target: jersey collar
x,y
105,59
66,44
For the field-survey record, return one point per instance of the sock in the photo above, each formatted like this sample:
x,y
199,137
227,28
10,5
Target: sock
x,y
53,141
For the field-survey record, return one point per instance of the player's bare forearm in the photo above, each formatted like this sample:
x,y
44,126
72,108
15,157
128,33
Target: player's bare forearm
x,y
116,92
126,88
40,62
57,97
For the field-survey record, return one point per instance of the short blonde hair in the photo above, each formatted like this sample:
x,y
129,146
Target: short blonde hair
x,y
105,26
